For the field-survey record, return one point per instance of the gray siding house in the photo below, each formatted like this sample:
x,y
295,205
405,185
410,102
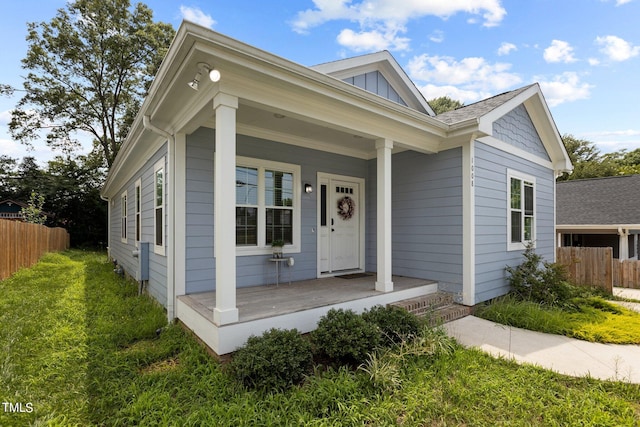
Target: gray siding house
x,y
346,164
600,212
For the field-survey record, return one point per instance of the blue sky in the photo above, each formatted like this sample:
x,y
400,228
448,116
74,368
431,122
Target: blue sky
x,y
584,53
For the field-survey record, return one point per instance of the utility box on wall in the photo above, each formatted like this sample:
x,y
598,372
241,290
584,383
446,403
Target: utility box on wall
x,y
142,253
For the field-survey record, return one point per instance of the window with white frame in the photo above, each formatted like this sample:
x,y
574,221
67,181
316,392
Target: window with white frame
x,y
138,205
521,218
267,205
158,206
123,217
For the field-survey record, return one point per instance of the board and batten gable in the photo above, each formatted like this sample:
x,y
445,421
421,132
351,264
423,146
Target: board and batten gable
x,y
121,251
493,159
375,82
253,270
427,217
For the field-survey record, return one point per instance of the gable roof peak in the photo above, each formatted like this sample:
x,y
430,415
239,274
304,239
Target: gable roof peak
x,y
383,62
482,107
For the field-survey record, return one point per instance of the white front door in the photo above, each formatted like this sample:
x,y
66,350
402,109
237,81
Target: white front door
x,y
340,220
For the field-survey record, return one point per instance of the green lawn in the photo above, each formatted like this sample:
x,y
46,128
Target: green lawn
x,y
590,318
80,347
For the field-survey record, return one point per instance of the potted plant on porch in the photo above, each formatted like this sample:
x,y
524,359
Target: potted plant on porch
x,y
277,245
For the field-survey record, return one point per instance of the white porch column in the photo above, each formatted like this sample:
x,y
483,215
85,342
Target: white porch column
x,y
224,174
623,244
383,149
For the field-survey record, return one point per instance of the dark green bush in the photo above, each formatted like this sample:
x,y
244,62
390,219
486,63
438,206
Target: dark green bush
x,y
539,281
396,325
345,337
273,361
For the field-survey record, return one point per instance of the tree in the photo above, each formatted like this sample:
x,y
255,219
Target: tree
x,y
70,190
33,212
444,104
7,176
587,160
73,198
89,70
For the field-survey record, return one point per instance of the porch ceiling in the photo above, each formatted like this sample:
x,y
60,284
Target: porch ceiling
x,y
290,128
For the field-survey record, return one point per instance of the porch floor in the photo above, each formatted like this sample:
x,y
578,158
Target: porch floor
x,y
260,302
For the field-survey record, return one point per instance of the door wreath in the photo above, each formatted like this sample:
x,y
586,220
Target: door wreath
x,y
346,207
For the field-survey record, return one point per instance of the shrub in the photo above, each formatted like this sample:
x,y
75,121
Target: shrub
x,y
345,336
275,360
539,281
396,325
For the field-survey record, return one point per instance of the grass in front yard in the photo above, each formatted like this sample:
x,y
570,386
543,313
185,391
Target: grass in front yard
x,y
80,345
592,319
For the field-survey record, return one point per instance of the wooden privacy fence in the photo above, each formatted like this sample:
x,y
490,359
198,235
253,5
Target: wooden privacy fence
x,y
22,244
626,274
588,266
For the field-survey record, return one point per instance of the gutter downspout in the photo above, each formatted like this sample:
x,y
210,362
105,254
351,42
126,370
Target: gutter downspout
x,y
171,282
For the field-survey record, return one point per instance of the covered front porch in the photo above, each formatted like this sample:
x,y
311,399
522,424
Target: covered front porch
x,y
297,305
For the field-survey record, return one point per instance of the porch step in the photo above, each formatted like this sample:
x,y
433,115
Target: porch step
x,y
438,307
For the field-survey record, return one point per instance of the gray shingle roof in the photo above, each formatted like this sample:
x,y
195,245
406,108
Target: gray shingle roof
x,y
479,108
611,200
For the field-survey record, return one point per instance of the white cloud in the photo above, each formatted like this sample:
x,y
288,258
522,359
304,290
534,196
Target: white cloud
x,y
437,36
594,61
465,96
197,16
617,49
506,48
469,75
565,87
372,40
5,117
384,17
559,51
619,2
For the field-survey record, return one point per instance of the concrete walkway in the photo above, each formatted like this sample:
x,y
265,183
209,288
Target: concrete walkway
x,y
629,294
558,353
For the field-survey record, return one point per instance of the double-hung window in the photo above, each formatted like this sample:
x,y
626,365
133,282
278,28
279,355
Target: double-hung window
x,y
123,217
138,210
267,205
521,216
158,206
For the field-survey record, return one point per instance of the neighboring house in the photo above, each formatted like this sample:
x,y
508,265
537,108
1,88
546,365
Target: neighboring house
x,y
346,163
12,210
600,212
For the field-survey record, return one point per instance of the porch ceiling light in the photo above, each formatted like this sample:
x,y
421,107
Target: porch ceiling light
x,y
204,68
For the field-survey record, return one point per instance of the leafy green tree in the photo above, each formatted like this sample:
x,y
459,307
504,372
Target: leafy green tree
x,y
33,212
73,196
587,160
444,104
70,187
8,179
89,70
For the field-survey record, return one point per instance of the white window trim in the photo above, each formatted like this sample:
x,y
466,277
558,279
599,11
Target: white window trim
x,y
516,246
160,164
137,208
123,217
261,165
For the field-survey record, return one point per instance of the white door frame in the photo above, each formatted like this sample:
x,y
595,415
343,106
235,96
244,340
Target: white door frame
x,y
322,178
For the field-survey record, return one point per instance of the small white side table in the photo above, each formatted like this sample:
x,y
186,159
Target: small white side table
x,y
278,261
